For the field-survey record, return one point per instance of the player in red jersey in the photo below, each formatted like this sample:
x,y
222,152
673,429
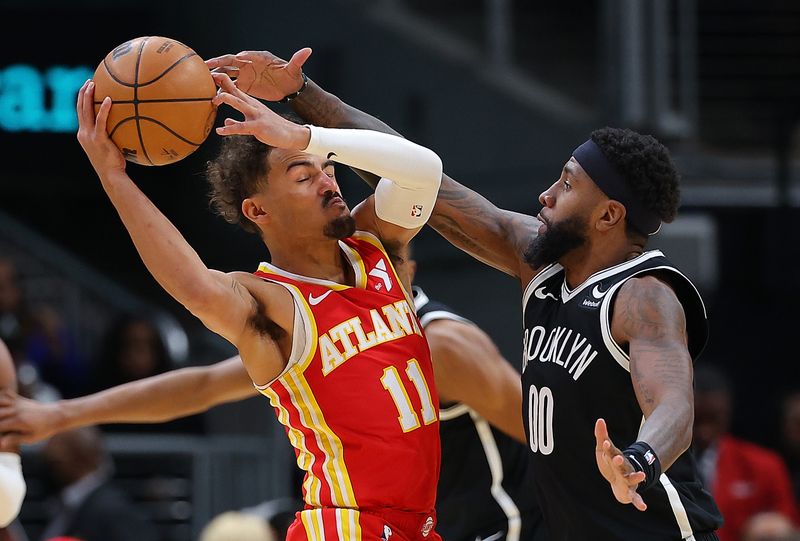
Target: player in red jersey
x,y
327,330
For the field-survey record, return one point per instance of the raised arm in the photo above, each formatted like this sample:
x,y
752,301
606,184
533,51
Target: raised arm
x,y
465,218
156,399
218,299
469,368
12,483
649,319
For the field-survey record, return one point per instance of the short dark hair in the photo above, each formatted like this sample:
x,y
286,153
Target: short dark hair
x,y
646,166
237,173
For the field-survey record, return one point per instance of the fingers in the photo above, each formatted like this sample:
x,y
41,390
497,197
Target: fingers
x,y
299,58
600,431
220,61
102,116
230,71
234,101
10,441
637,501
84,96
255,56
234,127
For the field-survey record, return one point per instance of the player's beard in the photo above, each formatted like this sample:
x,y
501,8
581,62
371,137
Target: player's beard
x,y
340,228
558,240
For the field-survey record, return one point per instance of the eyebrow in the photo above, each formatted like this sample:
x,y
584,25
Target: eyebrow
x,y
308,163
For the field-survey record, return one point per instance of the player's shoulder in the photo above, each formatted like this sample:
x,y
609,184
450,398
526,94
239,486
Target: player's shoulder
x,y
645,289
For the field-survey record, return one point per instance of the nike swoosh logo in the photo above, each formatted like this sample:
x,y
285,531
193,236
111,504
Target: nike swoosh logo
x,y
597,294
540,294
492,537
331,154
313,301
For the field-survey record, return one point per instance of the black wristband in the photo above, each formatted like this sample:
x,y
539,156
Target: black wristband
x,y
293,95
644,459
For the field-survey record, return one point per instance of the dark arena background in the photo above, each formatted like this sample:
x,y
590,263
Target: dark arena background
x,y
502,90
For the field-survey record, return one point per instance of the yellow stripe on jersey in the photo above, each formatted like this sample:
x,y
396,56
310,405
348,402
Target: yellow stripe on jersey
x,y
347,524
269,269
356,260
312,486
334,466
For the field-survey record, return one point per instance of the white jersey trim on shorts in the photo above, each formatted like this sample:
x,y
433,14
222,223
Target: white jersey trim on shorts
x,y
677,508
495,462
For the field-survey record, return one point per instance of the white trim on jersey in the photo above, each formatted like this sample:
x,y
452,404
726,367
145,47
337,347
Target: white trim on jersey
x,y
543,275
567,293
616,351
495,462
441,314
681,517
448,414
301,334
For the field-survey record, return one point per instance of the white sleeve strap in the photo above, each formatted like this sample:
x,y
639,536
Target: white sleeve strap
x,y
410,173
12,487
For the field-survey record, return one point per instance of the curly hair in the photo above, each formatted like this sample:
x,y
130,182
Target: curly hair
x,y
646,166
234,175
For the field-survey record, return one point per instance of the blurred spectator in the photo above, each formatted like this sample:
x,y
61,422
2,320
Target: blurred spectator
x,y
12,312
278,513
744,478
790,431
89,506
52,349
237,526
132,349
769,526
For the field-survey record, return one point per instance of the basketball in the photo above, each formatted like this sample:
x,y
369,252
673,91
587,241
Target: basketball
x,y
161,92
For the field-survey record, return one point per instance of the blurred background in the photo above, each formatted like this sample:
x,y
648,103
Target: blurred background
x,y
503,90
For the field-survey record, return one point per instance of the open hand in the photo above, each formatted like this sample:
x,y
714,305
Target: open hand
x,y
92,135
616,469
261,73
26,421
259,120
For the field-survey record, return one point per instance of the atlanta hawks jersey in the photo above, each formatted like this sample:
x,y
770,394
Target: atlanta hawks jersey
x,y
484,486
357,397
574,373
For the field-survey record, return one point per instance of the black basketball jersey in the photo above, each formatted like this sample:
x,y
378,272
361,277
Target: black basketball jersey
x,y
484,490
574,373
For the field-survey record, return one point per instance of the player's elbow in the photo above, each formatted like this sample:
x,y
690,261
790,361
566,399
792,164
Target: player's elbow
x,y
12,488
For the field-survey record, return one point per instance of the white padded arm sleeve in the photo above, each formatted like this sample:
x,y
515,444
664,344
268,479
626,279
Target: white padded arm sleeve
x,y
12,487
410,173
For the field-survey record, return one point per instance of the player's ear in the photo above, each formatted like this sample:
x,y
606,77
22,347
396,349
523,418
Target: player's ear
x,y
255,212
613,213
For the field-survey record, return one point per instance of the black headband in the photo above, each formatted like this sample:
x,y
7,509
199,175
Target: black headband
x,y
597,166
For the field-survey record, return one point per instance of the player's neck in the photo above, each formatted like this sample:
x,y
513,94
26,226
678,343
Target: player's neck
x,y
323,260
583,262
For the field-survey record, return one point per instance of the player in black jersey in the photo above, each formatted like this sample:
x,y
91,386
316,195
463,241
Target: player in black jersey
x,y
611,330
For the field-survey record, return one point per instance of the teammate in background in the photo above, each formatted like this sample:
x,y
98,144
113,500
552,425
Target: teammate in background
x,y
12,484
328,324
611,330
475,383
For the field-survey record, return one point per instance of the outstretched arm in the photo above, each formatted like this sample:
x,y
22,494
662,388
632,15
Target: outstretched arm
x,y
155,399
649,319
469,368
465,218
216,298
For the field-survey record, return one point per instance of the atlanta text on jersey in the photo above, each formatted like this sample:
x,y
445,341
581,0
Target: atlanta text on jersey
x,y
401,322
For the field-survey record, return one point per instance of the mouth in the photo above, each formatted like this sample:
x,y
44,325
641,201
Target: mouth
x,y
543,223
333,199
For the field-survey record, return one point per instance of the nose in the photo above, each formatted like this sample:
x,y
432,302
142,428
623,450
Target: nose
x,y
546,199
326,183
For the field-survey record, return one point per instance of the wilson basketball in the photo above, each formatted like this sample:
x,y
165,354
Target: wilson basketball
x,y
161,93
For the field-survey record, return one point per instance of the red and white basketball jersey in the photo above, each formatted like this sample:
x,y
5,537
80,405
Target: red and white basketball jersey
x,y
357,397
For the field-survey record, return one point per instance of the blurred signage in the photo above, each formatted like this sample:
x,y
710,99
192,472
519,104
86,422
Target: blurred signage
x,y
40,100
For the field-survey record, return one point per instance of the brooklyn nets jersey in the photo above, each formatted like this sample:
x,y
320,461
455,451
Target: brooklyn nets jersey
x,y
484,488
574,373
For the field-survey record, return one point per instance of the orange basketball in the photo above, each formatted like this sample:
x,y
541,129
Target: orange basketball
x,y
161,92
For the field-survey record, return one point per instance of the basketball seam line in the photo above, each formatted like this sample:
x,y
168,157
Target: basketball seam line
x,y
151,81
155,121
136,100
165,100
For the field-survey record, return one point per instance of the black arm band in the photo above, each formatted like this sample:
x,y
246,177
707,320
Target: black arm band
x,y
644,459
293,95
